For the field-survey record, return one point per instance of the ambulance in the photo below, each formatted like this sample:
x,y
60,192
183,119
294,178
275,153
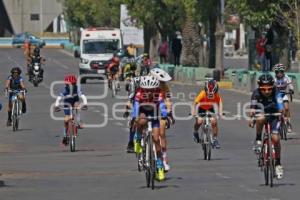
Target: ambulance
x,y
97,46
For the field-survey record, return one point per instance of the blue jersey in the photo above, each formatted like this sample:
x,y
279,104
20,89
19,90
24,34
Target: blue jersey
x,y
71,94
15,84
272,104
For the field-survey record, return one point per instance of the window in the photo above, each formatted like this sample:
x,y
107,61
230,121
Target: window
x,y
35,17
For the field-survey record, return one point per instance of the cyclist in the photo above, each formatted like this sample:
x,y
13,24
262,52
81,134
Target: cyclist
x,y
113,69
129,72
134,86
149,102
208,100
15,82
266,99
70,96
283,82
163,78
35,58
145,65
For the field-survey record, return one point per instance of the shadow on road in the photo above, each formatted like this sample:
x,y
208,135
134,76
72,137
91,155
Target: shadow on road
x,y
2,184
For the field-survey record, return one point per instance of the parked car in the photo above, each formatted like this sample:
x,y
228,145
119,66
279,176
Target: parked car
x,y
19,40
229,50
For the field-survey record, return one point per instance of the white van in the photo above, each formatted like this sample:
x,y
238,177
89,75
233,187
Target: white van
x,y
97,46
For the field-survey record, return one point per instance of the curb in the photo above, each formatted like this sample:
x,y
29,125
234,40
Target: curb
x,y
44,47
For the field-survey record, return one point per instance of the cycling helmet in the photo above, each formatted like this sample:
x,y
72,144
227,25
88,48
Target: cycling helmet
x,y
136,81
149,82
160,74
70,79
265,80
16,70
211,87
115,59
279,68
145,55
36,51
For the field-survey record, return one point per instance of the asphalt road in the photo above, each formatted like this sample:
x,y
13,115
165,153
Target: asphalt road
x,y
34,166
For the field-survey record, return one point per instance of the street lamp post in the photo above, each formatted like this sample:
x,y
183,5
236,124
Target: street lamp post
x,y
41,16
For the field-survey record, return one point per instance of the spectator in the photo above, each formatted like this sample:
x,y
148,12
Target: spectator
x,y
260,50
268,47
293,47
131,50
176,49
163,50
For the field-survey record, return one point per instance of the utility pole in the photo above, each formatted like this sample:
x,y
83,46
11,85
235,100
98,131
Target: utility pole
x,y
219,34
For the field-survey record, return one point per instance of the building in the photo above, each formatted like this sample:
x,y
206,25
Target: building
x,y
35,16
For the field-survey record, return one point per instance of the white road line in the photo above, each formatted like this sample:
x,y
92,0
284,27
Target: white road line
x,y
60,64
222,176
248,189
119,124
66,52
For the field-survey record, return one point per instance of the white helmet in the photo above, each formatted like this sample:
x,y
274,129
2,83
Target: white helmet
x,y
160,74
149,82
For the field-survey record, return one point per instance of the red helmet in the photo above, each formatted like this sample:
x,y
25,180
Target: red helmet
x,y
115,59
211,87
70,79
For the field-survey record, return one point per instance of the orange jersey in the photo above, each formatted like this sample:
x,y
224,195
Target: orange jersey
x,y
207,103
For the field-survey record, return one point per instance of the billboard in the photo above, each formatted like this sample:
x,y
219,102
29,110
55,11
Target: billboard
x,y
131,34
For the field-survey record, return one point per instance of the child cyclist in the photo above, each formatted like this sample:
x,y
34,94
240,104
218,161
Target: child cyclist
x,y
163,78
284,85
149,102
70,96
208,100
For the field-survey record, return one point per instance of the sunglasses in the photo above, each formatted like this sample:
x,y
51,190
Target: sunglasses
x,y
266,89
277,72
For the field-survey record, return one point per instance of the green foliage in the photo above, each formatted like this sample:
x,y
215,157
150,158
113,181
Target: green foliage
x,y
84,13
260,12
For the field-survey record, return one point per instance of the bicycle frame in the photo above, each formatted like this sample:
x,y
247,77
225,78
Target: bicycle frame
x,y
206,136
267,154
16,108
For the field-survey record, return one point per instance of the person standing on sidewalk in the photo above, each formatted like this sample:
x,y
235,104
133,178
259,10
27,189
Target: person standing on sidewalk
x,y
268,47
260,50
176,49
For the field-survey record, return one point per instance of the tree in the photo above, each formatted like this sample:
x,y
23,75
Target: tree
x,y
84,13
280,13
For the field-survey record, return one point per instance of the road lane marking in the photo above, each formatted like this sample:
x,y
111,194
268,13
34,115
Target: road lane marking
x,y
60,64
222,176
248,189
66,52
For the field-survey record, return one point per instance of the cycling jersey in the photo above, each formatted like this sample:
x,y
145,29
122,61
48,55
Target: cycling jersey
x,y
70,96
206,103
283,83
149,102
272,104
15,84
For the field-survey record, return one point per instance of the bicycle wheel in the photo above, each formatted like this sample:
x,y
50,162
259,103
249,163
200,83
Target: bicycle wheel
x,y
284,130
15,116
113,88
208,149
271,163
204,146
72,137
148,161
266,173
153,168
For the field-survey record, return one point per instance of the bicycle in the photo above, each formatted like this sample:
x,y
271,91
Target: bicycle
x,y
113,84
148,158
72,130
16,107
206,139
284,123
266,157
